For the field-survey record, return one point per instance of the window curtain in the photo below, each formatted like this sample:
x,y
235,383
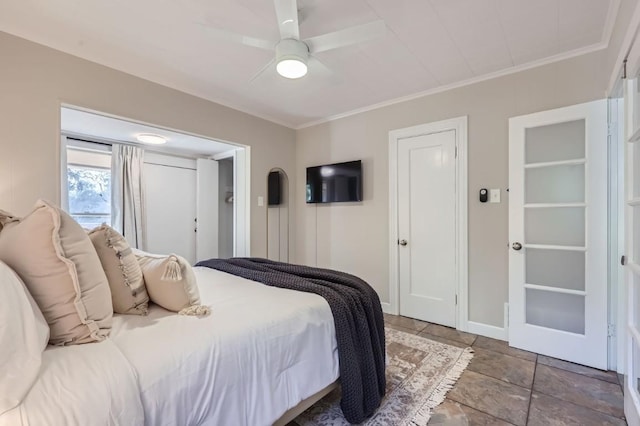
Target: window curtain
x,y
127,193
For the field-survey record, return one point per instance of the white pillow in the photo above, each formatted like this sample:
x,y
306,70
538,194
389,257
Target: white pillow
x,y
24,334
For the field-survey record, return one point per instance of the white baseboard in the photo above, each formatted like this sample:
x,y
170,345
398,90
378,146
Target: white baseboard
x,y
487,330
386,308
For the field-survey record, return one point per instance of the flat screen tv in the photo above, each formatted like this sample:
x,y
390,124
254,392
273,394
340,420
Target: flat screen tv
x,y
335,183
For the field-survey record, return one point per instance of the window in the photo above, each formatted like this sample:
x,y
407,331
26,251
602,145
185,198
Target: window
x,y
89,185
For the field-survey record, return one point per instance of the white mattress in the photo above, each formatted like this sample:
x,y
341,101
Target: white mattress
x,y
90,384
260,352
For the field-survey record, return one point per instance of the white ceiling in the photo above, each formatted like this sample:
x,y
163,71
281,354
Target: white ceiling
x,y
430,44
85,124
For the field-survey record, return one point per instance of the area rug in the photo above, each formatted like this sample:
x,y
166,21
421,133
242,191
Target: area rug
x,y
420,372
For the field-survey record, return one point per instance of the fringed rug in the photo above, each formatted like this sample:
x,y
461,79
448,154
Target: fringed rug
x,y
420,372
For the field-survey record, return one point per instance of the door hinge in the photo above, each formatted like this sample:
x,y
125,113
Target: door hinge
x,y
623,260
611,330
456,300
456,155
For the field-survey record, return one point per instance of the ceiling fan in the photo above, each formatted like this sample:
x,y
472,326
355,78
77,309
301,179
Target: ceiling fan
x,y
293,55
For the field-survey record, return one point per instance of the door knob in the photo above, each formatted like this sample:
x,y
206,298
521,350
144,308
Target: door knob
x,y
516,246
402,242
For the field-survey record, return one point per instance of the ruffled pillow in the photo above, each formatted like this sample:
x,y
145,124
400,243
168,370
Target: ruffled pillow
x,y
128,293
57,262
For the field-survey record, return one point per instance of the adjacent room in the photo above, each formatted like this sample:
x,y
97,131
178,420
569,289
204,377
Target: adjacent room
x,y
319,213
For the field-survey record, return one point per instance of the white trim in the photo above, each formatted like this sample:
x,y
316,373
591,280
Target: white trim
x,y
513,70
554,247
487,330
146,123
616,207
64,178
386,308
552,205
556,163
242,205
555,289
459,125
224,155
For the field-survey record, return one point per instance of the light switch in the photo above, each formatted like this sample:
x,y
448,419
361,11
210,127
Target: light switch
x,y
494,195
261,201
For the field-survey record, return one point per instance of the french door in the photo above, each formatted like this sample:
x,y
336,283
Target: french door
x,y
632,249
558,233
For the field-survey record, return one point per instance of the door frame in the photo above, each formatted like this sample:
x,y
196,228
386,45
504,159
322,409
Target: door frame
x,y
242,170
459,125
242,198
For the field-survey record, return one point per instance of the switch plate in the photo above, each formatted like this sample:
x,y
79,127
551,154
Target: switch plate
x,y
260,201
494,195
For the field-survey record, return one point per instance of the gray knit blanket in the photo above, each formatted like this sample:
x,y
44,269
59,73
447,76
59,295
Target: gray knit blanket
x,y
358,319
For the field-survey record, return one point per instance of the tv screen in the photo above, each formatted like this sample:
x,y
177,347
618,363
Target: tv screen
x,y
334,183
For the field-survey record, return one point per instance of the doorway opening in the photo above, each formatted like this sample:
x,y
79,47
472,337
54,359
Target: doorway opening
x,y
182,198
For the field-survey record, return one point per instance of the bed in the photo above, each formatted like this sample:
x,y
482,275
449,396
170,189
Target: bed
x,y
262,351
262,354
81,385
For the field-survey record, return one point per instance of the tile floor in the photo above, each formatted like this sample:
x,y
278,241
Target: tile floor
x,y
507,386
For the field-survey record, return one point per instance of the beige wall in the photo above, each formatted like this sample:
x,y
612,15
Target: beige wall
x,y
35,80
355,237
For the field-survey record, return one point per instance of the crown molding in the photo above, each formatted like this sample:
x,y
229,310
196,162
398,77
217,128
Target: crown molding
x,y
607,31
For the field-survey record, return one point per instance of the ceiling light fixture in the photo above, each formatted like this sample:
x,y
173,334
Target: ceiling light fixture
x,y
151,139
291,58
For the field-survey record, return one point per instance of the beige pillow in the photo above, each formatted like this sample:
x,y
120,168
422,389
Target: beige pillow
x,y
57,262
128,293
171,283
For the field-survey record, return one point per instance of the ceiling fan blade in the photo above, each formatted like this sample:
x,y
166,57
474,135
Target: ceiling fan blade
x,y
346,37
238,38
317,67
262,71
287,13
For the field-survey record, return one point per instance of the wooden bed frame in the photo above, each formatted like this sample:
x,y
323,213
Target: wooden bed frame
x,y
304,404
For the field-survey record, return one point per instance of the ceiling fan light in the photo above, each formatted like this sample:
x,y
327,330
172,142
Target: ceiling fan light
x,y
291,68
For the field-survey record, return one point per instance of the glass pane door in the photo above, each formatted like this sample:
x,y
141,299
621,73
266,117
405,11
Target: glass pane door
x,y
558,233
554,196
632,243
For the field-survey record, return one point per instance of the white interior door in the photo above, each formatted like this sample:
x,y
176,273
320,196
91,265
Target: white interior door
x,y
170,209
427,227
207,209
632,250
558,233
241,202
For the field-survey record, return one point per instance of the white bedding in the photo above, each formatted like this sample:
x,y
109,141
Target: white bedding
x,y
90,384
260,352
